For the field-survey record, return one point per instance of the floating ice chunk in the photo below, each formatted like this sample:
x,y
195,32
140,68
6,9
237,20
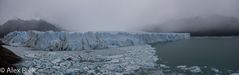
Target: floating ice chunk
x,y
183,67
215,70
114,61
164,66
194,69
57,60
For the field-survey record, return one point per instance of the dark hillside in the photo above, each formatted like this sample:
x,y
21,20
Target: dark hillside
x,y
25,25
214,25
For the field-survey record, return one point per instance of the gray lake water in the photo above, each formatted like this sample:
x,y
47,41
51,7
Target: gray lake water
x,y
222,53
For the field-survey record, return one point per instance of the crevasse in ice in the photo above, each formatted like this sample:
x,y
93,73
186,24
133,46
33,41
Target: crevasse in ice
x,y
86,40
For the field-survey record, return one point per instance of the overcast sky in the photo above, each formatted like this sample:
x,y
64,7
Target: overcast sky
x,y
113,15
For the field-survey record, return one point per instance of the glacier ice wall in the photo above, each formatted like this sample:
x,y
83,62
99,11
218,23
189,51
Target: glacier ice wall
x,y
62,41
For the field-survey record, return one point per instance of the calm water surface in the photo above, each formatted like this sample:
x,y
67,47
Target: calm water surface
x,y
214,52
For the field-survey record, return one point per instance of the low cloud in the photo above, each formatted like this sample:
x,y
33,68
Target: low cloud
x,y
115,15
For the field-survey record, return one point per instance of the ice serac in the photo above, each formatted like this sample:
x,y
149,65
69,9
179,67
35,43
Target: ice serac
x,y
63,41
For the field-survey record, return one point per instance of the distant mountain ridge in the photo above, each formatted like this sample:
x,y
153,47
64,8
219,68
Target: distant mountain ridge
x,y
25,25
214,25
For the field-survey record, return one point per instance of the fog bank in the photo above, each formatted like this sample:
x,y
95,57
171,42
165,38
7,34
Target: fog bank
x,y
114,15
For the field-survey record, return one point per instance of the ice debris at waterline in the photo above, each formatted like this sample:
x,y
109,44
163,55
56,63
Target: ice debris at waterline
x,y
62,41
111,61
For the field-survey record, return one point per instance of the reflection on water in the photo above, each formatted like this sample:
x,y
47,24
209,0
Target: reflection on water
x,y
215,52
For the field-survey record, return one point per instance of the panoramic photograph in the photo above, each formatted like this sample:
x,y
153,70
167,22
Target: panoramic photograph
x,y
119,37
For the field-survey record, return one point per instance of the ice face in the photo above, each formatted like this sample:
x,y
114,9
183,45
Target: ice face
x,y
86,40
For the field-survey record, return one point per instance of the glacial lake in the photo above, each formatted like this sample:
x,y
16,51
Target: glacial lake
x,y
217,52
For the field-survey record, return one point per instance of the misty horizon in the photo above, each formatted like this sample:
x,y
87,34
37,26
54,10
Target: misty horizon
x,y
119,37
105,15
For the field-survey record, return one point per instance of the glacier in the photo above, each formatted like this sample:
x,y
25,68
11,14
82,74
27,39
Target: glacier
x,y
73,41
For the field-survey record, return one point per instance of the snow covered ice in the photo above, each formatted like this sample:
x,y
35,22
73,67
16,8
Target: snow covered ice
x,y
111,61
71,41
84,53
